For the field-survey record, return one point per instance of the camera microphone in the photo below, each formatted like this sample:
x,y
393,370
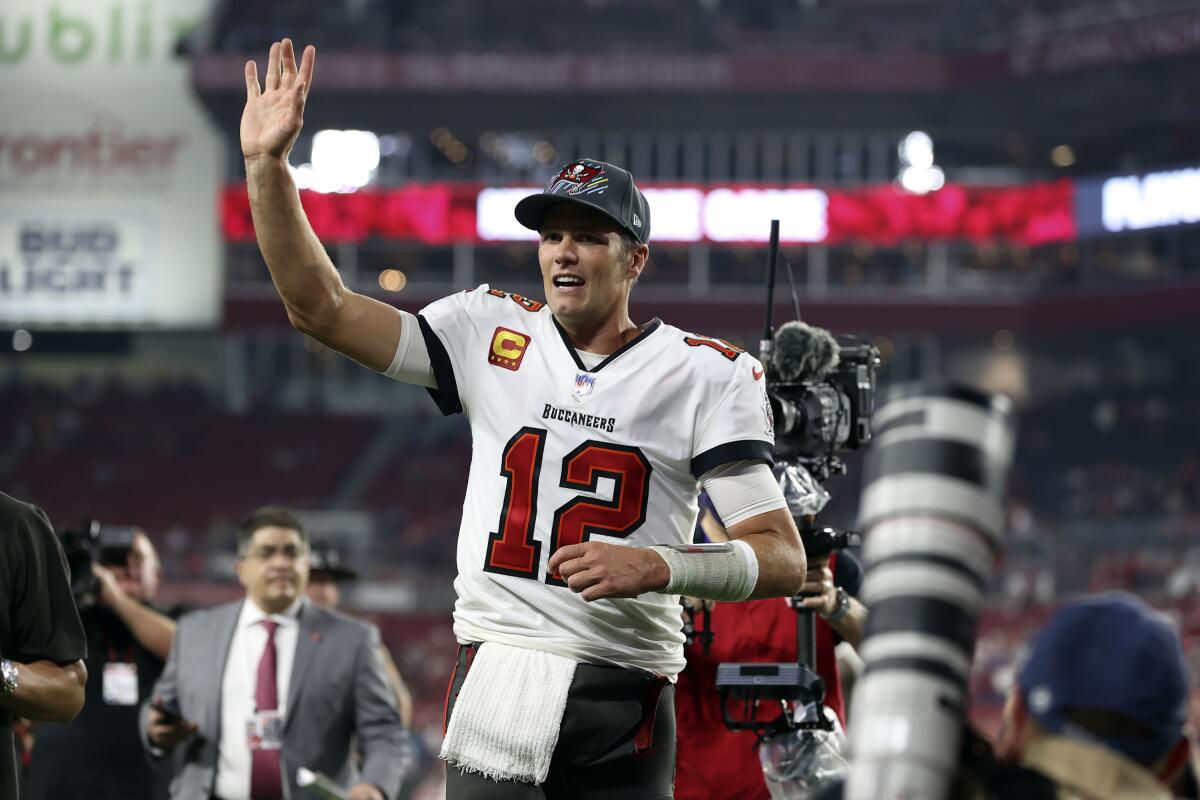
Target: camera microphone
x,y
802,352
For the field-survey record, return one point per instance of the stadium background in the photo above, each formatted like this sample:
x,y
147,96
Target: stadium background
x,y
1037,238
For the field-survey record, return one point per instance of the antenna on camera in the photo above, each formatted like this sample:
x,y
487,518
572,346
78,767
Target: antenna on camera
x,y
764,345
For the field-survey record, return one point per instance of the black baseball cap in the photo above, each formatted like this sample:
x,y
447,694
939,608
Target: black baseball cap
x,y
326,561
595,184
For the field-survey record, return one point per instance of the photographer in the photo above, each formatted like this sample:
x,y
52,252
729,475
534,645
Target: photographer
x,y
42,675
128,642
714,762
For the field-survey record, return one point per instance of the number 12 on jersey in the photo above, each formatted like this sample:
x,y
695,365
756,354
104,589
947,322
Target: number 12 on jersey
x,y
512,549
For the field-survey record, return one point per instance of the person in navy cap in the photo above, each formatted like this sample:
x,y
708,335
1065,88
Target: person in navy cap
x,y
1100,702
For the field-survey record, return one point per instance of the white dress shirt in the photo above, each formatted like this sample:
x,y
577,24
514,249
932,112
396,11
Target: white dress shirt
x,y
238,687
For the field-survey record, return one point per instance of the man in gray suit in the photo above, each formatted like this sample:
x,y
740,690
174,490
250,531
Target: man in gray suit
x,y
256,689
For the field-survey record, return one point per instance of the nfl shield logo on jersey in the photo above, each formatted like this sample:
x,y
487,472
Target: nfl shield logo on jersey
x,y
584,383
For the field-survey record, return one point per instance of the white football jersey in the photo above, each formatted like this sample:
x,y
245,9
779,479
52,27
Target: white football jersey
x,y
562,454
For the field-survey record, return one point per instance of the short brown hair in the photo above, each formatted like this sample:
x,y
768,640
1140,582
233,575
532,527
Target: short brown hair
x,y
268,517
628,244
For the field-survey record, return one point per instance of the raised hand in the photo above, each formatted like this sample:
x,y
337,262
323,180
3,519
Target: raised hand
x,y
274,115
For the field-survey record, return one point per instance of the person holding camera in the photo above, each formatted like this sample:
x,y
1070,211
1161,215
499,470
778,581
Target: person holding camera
x,y
714,762
42,645
128,644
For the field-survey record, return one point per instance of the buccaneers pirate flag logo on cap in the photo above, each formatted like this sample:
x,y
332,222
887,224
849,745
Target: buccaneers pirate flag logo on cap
x,y
580,177
607,188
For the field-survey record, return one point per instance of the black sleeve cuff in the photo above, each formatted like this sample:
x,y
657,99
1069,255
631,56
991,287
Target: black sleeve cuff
x,y
744,450
446,393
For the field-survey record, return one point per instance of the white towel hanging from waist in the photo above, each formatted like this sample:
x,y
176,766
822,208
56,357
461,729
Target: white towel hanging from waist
x,y
508,714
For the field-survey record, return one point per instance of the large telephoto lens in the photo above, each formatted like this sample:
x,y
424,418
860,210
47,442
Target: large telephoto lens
x,y
932,515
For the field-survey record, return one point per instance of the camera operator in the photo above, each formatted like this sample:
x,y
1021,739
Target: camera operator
x,y
820,394
42,645
128,642
829,589
712,761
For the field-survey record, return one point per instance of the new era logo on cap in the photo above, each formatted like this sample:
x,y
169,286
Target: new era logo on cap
x,y
604,187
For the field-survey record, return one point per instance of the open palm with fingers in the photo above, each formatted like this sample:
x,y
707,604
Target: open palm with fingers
x,y
274,114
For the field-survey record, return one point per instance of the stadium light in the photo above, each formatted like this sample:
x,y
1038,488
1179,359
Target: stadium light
x,y
341,161
392,280
916,150
918,173
922,181
1062,156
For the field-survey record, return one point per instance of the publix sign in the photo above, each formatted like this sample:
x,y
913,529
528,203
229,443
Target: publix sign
x,y
94,33
106,155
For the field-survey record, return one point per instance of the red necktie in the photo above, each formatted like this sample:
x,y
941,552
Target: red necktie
x,y
266,782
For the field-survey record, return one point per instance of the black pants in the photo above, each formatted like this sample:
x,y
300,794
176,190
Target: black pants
x,y
617,741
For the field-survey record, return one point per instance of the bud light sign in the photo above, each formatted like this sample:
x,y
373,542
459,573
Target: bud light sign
x,y
74,271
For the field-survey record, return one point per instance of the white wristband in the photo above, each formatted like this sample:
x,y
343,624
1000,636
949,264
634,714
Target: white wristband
x,y
726,571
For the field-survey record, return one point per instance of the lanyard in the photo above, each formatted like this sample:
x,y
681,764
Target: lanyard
x,y
110,649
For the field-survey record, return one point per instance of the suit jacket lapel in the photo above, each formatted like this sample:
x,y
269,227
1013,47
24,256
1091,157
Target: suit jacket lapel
x,y
225,626
308,639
